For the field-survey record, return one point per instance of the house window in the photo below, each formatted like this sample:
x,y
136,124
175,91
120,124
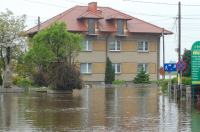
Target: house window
x,y
120,27
91,26
143,46
115,45
87,45
116,67
86,68
143,66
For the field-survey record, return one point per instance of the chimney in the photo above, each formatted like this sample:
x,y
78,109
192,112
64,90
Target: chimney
x,y
92,7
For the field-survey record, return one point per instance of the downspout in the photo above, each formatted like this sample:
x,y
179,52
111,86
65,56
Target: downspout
x,y
158,58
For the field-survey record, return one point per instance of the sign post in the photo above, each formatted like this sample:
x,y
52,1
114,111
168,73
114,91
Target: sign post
x,y
170,67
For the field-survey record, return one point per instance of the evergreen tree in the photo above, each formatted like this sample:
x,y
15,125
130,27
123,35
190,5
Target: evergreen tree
x,y
141,78
109,73
187,59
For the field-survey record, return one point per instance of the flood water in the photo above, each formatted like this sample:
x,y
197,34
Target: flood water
x,y
98,109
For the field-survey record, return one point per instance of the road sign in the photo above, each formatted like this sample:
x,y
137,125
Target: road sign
x,y
181,65
170,67
195,63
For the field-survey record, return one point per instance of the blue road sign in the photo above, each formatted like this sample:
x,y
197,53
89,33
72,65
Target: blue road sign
x,y
170,67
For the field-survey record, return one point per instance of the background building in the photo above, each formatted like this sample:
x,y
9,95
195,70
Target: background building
x,y
129,42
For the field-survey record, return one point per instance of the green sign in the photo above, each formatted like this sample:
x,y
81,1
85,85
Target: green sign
x,y
195,64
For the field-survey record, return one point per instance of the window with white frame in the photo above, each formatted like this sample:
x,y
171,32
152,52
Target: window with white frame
x,y
86,68
143,66
143,46
116,67
115,45
87,45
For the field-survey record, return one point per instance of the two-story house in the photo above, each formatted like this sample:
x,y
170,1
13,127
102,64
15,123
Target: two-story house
x,y
129,42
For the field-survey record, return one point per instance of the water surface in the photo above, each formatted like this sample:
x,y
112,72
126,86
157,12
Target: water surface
x,y
98,109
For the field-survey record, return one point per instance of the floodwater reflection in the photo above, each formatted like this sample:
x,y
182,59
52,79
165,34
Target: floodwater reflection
x,y
97,109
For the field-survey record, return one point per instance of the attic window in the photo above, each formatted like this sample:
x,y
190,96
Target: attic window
x,y
120,27
91,26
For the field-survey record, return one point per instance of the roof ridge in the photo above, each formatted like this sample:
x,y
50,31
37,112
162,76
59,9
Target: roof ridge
x,y
91,13
59,17
139,19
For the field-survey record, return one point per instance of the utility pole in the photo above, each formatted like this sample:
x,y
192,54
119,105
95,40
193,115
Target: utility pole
x,y
179,31
38,25
163,38
179,49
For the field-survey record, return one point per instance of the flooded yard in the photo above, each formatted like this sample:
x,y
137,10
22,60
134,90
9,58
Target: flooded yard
x,y
98,109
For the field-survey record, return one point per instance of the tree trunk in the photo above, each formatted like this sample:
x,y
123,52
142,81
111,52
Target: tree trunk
x,y
7,77
7,71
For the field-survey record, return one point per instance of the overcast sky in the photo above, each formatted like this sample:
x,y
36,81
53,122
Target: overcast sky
x,y
163,15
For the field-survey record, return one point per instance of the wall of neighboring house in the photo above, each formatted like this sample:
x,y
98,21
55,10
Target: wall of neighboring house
x,y
128,57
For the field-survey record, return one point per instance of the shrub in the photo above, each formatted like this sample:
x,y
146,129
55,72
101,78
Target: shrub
x,y
24,82
64,76
40,79
15,79
21,81
119,82
174,80
186,81
109,72
141,78
164,85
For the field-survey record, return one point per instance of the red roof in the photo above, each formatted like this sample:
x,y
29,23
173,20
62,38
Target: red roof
x,y
90,14
71,18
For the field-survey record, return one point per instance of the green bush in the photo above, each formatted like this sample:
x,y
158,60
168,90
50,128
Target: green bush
x,y
15,79
164,86
118,82
174,80
186,81
64,76
21,81
142,77
109,72
163,83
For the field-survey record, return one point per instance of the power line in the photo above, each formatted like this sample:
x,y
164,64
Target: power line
x,y
149,2
161,3
144,14
45,3
174,24
73,1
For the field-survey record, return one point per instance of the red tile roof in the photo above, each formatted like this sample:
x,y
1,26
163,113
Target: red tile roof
x,y
71,16
90,14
